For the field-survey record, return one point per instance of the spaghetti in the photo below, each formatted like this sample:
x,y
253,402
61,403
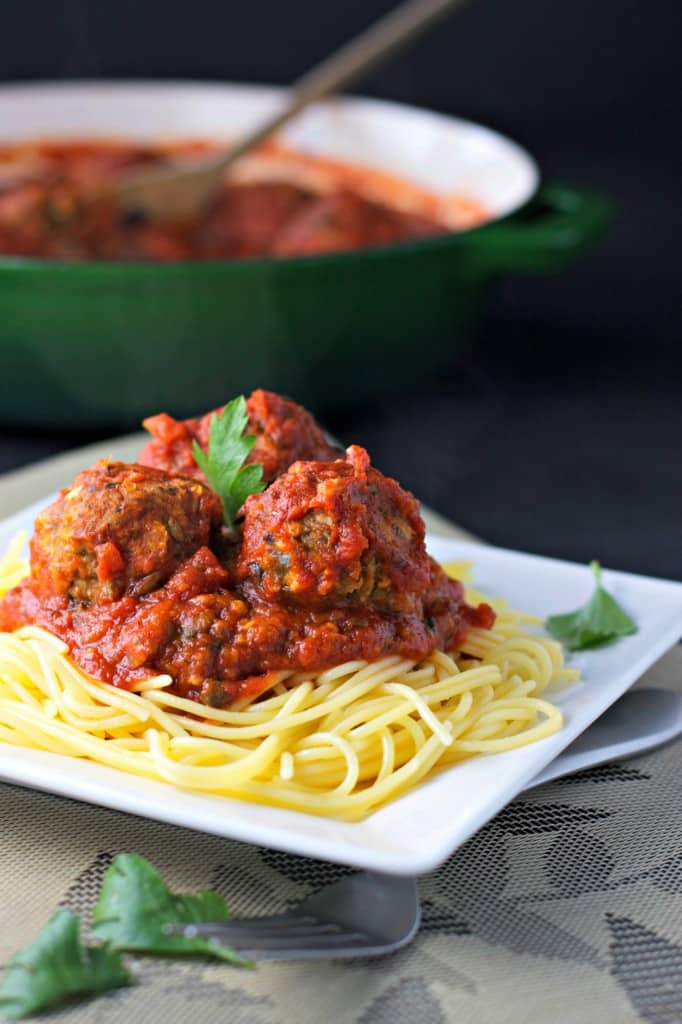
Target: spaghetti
x,y
341,742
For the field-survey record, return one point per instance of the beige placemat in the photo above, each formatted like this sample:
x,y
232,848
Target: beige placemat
x,y
565,909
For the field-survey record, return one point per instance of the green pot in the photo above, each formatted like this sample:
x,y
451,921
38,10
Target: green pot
x,y
106,344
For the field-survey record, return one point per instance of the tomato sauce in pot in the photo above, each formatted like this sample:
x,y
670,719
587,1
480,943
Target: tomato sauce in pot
x,y
276,203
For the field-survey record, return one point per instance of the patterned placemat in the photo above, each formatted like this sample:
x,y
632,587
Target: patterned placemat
x,y
566,908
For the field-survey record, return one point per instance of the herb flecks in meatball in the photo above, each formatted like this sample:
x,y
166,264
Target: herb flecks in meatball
x,y
120,529
336,533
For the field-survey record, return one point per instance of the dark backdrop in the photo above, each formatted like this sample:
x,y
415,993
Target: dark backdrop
x,y
561,432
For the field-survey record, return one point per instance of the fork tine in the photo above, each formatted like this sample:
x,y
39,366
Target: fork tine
x,y
247,930
311,953
225,927
293,943
361,915
229,924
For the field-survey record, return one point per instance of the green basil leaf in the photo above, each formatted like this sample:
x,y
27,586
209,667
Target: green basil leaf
x,y
602,619
135,906
57,966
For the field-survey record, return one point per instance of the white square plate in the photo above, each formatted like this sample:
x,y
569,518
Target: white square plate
x,y
420,830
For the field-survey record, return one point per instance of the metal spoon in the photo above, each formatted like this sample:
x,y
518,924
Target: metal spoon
x,y
180,192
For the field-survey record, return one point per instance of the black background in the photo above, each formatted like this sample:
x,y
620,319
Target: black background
x,y
561,433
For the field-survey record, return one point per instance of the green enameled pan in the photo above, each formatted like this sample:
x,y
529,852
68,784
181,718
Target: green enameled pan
x,y
106,344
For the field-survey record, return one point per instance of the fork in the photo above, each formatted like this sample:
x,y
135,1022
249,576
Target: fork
x,y
371,914
365,914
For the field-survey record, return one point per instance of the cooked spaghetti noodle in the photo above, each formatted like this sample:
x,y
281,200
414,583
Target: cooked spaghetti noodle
x,y
339,743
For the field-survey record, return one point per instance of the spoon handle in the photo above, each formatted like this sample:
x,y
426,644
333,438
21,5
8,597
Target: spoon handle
x,y
353,61
179,192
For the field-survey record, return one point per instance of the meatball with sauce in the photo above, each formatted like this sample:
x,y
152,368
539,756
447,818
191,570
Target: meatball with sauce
x,y
284,432
245,219
119,530
343,220
335,534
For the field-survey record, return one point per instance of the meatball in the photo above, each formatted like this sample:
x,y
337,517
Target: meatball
x,y
245,219
337,533
119,530
342,220
284,432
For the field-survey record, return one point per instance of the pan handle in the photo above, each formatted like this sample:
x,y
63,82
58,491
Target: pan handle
x,y
555,227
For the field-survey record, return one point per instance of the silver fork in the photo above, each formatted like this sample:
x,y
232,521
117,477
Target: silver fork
x,y
369,914
365,914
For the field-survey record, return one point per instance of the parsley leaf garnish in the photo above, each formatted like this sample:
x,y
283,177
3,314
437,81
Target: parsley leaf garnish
x,y
600,620
223,464
57,966
132,912
135,905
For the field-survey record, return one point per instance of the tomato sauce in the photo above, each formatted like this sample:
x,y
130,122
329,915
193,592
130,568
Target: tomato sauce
x,y
276,203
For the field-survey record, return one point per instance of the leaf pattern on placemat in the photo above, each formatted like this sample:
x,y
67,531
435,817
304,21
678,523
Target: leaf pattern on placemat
x,y
470,890
180,991
83,893
525,819
247,888
584,864
408,1001
649,968
437,919
189,986
314,874
668,874
429,961
613,772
